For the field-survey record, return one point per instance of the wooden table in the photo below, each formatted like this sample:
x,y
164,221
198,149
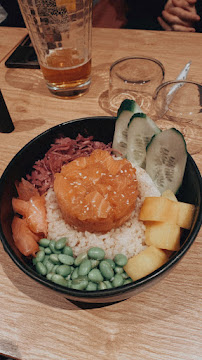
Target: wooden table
x,y
163,323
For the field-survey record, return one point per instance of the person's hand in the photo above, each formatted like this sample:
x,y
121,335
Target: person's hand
x,y
179,15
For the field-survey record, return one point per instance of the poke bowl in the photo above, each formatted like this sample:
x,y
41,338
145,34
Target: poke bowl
x,y
101,129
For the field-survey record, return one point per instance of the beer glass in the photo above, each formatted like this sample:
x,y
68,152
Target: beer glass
x,y
60,31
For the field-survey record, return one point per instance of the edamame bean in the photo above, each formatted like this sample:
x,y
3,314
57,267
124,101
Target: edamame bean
x,y
118,270
91,286
94,263
40,268
111,262
46,259
69,283
60,244
47,251
58,279
54,258
72,268
67,250
63,270
106,269
55,268
52,247
95,276
84,267
75,274
40,256
49,276
49,266
124,275
44,242
96,253
120,259
102,286
127,281
66,259
108,284
80,258
68,277
79,283
117,281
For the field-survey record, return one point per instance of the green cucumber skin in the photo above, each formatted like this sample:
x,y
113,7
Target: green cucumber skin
x,y
128,105
137,115
166,159
140,130
126,110
121,132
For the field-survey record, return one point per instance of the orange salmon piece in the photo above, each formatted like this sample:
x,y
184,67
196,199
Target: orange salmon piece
x,y
34,211
98,193
95,206
73,167
20,206
25,240
25,189
36,215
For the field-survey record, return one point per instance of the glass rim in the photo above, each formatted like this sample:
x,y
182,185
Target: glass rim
x,y
140,57
174,82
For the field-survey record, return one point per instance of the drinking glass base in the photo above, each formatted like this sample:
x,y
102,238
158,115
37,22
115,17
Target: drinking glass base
x,y
69,92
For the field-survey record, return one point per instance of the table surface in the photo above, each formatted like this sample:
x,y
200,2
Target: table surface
x,y
162,323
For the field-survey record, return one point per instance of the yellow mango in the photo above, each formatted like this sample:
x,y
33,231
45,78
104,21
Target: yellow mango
x,y
163,235
185,215
159,209
145,262
169,195
166,210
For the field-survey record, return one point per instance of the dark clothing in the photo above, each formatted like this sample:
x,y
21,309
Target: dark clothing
x,y
142,14
198,25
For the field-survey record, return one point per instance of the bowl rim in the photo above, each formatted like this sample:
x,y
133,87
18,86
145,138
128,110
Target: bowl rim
x,y
108,293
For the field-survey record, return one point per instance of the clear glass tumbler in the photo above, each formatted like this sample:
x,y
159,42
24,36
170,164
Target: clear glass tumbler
x,y
178,104
134,78
60,31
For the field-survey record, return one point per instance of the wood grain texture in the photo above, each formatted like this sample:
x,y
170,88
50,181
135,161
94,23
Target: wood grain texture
x,y
164,322
10,39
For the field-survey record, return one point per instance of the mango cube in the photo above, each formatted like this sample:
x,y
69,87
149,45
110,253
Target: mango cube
x,y
185,215
145,262
166,210
169,195
159,209
163,235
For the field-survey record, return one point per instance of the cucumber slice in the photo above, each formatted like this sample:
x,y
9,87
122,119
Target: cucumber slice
x,y
125,111
166,159
140,131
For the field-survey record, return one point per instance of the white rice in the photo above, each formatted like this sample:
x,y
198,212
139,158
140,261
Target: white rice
x,y
129,239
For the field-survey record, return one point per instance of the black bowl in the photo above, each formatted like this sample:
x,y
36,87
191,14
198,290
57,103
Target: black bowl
x,y
102,129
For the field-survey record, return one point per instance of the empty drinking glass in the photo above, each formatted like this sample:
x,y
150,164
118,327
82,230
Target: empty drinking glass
x,y
178,104
135,78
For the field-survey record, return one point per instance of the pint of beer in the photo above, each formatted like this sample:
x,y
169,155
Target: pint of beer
x,y
60,31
